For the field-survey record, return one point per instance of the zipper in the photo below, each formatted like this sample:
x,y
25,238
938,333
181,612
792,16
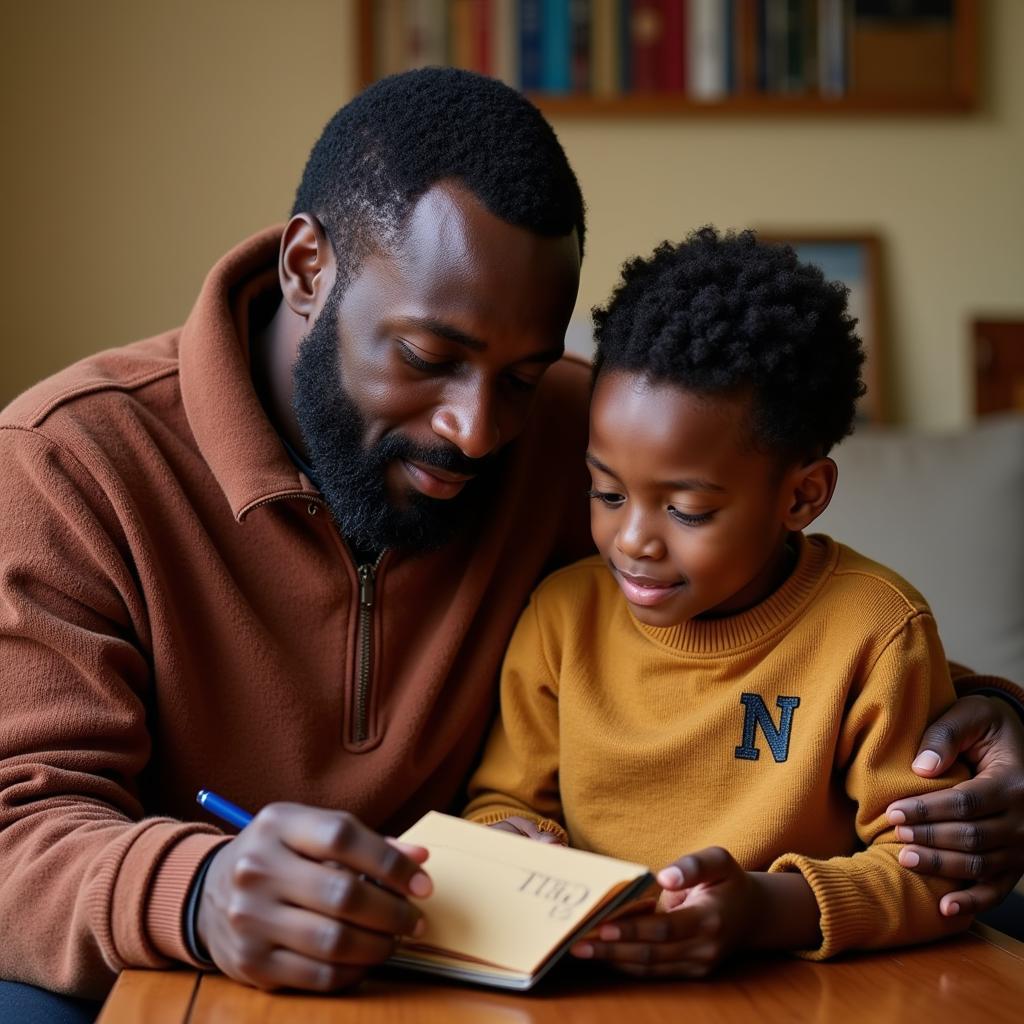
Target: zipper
x,y
367,591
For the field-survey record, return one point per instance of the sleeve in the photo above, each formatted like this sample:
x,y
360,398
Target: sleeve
x,y
968,682
868,900
519,771
88,884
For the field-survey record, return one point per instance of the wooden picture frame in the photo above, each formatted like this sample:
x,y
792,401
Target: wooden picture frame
x,y
998,348
855,259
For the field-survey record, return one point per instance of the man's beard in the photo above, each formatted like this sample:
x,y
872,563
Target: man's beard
x,y
352,476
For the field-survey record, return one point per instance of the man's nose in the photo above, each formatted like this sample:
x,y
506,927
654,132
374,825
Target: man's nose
x,y
468,420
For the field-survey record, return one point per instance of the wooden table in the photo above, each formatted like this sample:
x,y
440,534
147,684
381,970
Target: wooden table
x,y
979,976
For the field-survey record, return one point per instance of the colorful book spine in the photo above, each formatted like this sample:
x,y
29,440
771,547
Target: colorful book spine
x,y
745,47
425,33
674,45
505,41
605,50
531,74
833,43
579,45
647,29
555,44
708,61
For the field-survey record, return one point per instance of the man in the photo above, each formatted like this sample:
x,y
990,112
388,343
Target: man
x,y
279,552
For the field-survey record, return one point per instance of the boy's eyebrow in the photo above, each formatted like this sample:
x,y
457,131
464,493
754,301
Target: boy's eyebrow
x,y
474,344
689,484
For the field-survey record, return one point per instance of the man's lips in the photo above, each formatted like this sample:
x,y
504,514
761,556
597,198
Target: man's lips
x,y
646,590
433,481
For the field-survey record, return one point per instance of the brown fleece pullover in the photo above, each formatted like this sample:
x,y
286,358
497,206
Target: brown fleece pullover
x,y
178,610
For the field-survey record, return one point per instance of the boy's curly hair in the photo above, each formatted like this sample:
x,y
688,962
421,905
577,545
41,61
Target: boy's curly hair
x,y
726,313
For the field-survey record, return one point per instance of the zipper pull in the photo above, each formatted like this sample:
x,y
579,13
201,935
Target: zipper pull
x,y
366,582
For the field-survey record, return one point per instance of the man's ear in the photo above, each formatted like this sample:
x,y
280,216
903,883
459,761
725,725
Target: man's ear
x,y
811,489
306,265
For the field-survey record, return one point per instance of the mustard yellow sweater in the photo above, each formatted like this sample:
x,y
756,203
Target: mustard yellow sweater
x,y
781,733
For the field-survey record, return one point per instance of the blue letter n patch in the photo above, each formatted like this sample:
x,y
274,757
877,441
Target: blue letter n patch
x,y
756,714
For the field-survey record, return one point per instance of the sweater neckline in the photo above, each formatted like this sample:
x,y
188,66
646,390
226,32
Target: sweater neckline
x,y
816,557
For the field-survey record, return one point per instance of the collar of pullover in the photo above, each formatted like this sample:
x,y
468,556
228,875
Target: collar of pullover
x,y
816,557
231,429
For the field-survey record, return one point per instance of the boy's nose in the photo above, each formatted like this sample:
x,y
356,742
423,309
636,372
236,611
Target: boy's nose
x,y
637,540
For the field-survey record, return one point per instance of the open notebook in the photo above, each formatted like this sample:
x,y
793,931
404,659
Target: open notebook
x,y
504,907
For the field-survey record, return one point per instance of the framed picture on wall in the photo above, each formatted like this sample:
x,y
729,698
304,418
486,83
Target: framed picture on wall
x,y
856,260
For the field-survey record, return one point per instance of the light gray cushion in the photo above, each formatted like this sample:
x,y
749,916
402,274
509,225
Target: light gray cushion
x,y
946,511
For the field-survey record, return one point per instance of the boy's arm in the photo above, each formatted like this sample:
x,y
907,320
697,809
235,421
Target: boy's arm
x,y
868,900
518,775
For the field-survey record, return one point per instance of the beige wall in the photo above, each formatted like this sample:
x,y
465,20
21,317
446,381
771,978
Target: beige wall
x,y
141,140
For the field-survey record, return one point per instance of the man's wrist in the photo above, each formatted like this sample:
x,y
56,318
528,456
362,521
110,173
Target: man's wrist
x,y
191,912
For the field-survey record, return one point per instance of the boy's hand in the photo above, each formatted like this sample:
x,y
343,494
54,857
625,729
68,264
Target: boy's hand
x,y
975,830
524,827
707,907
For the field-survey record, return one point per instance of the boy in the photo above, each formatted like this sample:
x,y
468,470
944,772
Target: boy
x,y
729,681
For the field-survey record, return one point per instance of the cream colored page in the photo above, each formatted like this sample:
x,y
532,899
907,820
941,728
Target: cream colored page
x,y
503,898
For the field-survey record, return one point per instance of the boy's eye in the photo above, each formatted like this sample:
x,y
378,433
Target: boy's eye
x,y
689,518
609,498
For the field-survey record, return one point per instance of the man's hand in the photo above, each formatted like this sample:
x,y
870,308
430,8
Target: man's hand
x,y
707,907
308,898
975,830
524,827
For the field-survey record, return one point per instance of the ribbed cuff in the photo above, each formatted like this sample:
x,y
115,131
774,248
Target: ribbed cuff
x,y
169,896
848,914
544,824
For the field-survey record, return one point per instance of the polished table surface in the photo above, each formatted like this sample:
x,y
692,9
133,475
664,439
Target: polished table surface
x,y
977,977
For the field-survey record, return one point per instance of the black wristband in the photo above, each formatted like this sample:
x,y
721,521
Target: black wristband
x,y
992,691
192,912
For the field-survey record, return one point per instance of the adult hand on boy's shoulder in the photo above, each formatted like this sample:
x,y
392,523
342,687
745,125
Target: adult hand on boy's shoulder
x,y
709,909
974,830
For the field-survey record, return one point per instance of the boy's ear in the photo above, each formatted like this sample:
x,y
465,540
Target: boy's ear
x,y
811,489
306,265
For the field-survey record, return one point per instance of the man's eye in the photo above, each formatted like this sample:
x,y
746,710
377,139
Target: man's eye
x,y
689,518
609,498
425,365
520,383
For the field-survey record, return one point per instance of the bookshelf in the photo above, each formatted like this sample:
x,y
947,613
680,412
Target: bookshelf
x,y
693,58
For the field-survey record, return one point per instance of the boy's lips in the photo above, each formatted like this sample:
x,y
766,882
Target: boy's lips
x,y
646,590
433,481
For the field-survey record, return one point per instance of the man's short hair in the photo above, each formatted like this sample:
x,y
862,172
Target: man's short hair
x,y
727,314
404,134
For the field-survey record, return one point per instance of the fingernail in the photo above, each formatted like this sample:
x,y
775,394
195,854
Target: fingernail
x,y
927,761
420,885
905,835
421,927
584,950
670,878
953,909
610,933
909,859
896,817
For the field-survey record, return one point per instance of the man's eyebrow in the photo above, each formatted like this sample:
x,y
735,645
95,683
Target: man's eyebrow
x,y
474,344
687,484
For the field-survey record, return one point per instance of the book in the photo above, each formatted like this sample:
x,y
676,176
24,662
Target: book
x,y
647,35
556,46
708,40
505,908
605,47
531,72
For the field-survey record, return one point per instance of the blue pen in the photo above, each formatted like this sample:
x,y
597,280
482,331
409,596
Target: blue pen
x,y
223,809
